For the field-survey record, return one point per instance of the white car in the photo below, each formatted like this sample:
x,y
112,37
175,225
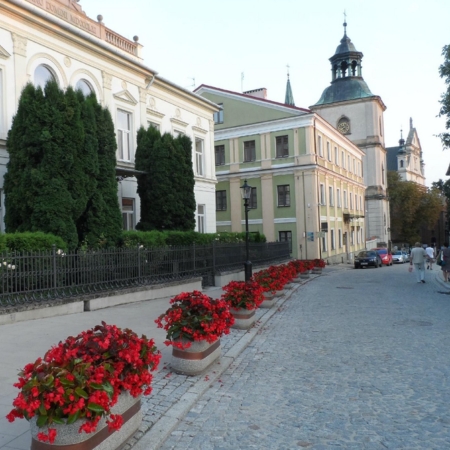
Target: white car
x,y
400,257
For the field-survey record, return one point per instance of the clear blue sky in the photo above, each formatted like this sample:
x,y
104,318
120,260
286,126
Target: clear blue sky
x,y
214,42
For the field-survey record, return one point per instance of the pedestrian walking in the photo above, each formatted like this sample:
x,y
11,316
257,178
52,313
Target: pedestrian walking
x,y
444,256
430,257
418,257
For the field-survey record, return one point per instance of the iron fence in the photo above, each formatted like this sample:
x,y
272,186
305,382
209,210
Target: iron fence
x,y
43,276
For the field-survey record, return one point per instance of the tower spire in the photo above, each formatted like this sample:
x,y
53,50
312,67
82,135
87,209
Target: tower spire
x,y
345,23
289,97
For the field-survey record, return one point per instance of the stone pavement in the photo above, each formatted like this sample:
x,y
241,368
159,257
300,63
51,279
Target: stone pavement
x,y
358,359
351,359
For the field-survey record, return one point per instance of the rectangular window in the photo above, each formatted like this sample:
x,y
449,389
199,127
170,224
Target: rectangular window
x,y
328,151
333,242
351,200
338,197
220,155
221,200
128,213
177,133
322,195
201,218
253,200
282,146
284,195
218,116
345,200
352,237
343,160
154,125
123,135
358,235
324,242
361,203
330,195
349,165
286,236
354,167
336,156
249,151
199,157
340,237
319,145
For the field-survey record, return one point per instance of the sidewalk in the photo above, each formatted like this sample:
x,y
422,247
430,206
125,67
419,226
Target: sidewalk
x,y
173,395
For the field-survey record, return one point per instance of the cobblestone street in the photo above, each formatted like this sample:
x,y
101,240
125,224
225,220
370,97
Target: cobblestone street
x,y
356,359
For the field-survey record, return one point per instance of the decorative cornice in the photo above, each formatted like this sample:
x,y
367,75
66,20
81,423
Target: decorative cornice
x,y
126,97
179,122
3,53
152,112
199,130
19,44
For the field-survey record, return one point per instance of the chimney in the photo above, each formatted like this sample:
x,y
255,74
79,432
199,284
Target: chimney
x,y
259,93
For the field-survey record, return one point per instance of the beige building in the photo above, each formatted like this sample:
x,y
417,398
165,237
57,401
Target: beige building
x,y
44,39
306,177
349,106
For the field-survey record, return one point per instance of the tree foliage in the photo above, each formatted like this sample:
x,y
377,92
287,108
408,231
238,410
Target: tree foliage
x,y
54,176
166,189
444,72
411,207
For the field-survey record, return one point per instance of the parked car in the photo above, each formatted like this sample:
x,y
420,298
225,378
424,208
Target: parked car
x,y
400,257
385,255
368,258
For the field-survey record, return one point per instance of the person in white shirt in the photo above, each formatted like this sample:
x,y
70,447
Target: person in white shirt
x,y
418,256
430,257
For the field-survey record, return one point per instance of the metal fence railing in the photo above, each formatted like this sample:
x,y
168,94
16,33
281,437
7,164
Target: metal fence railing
x,y
42,276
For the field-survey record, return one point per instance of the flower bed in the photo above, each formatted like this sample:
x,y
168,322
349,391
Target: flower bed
x,y
82,377
243,294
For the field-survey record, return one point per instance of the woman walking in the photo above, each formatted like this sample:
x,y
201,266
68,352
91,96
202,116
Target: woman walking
x,y
444,256
418,256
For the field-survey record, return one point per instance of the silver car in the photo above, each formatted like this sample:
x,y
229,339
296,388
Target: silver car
x,y
400,257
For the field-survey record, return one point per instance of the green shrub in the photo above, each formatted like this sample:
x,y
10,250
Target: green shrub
x,y
30,242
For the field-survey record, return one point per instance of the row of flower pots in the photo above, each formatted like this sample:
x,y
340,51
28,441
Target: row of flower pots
x,y
85,392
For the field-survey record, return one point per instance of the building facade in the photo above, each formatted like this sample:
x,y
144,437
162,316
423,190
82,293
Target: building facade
x,y
306,177
407,157
349,106
54,39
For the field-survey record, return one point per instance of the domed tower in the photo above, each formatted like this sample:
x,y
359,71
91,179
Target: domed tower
x,y
350,106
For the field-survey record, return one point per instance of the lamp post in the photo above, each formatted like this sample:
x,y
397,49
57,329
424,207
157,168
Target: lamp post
x,y
246,192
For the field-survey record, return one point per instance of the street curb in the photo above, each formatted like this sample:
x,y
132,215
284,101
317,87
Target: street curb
x,y
162,428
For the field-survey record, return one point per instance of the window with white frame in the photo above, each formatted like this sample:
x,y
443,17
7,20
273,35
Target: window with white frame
x,y
154,125
352,237
177,133
249,151
324,242
351,200
128,213
343,160
42,75
338,197
345,200
123,135
220,155
322,195
332,238
330,195
349,163
282,146
284,195
358,235
85,87
201,218
340,238
319,145
336,156
361,203
328,151
354,167
218,115
362,234
356,203
286,236
199,157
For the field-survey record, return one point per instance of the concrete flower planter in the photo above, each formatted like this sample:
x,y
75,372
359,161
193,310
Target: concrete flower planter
x,y
317,270
69,438
270,299
304,276
243,318
195,359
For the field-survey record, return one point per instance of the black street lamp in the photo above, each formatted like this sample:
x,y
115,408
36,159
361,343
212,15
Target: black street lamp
x,y
246,192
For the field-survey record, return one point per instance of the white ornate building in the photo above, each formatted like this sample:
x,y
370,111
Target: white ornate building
x,y
42,39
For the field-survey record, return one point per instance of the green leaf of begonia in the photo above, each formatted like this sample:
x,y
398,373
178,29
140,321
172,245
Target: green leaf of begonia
x,y
96,408
96,386
42,410
73,417
81,392
58,420
107,387
41,421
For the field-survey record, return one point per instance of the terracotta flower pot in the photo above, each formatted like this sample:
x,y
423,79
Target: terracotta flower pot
x,y
195,359
69,438
243,318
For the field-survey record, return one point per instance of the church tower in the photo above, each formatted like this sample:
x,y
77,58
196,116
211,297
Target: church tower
x,y
349,105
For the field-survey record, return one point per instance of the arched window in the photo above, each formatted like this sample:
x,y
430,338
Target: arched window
x,y
85,87
42,75
401,163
